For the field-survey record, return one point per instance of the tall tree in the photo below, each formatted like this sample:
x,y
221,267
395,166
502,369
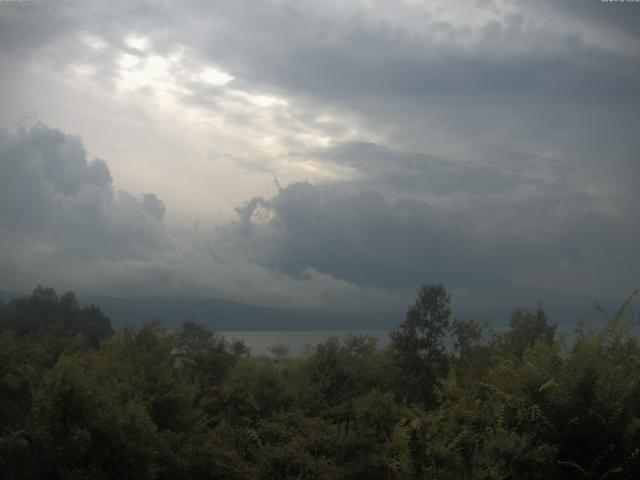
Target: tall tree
x,y
419,343
527,328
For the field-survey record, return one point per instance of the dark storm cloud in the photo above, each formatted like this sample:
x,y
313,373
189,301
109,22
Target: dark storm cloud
x,y
574,73
526,210
370,239
419,173
624,16
362,237
51,194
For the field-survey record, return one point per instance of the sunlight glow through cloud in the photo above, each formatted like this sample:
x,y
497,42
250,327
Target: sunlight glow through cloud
x,y
137,42
215,77
151,72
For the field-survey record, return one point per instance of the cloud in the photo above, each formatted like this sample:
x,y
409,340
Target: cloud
x,y
359,244
622,16
361,237
395,242
53,197
474,143
467,81
420,173
153,205
62,223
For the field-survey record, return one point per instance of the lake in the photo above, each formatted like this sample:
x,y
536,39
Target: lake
x,y
295,341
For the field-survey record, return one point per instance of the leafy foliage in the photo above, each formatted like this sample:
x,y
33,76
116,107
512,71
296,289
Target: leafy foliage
x,y
419,343
446,400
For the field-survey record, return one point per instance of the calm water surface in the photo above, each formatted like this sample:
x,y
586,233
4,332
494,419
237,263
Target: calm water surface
x,y
296,341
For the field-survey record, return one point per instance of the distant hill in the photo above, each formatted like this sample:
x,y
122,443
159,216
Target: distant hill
x,y
223,315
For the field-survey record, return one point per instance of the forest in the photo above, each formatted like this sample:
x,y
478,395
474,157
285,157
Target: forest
x,y
447,399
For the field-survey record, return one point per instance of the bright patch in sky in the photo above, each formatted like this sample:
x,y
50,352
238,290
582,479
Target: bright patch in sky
x,y
215,77
137,42
149,72
266,100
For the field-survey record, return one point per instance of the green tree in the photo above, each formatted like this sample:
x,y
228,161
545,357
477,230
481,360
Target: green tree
x,y
45,315
419,343
526,328
206,354
467,338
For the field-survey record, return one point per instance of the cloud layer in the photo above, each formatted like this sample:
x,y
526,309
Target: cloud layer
x,y
62,223
57,206
487,145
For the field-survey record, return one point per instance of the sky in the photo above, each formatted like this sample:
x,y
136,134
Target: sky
x,y
321,154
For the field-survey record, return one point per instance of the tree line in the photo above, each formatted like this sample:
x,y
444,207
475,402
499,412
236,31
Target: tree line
x,y
446,399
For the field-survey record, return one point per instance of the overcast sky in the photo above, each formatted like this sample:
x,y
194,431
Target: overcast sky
x,y
321,154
